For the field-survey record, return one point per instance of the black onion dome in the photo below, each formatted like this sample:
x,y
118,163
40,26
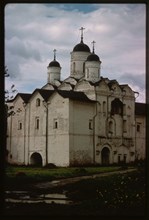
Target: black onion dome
x,y
54,63
81,47
93,57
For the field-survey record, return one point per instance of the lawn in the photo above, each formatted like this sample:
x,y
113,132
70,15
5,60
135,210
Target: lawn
x,y
15,175
116,195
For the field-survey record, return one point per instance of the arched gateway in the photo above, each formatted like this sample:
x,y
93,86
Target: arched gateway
x,y
36,159
105,156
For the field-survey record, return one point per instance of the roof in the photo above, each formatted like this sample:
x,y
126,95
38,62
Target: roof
x,y
44,93
24,96
140,108
54,63
81,47
93,57
80,96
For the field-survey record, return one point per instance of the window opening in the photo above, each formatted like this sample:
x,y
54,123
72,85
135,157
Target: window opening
x,y
55,124
37,123
37,102
90,124
138,128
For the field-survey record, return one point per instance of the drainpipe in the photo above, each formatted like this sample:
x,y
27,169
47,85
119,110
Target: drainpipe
x,y
29,132
94,133
46,106
24,130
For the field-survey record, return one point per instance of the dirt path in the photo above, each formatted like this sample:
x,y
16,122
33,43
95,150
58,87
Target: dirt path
x,y
62,182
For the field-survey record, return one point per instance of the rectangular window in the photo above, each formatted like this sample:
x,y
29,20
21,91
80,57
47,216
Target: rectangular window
x,y
37,123
55,124
90,124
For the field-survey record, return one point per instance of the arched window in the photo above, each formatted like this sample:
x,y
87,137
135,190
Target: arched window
x,y
116,107
99,107
74,66
83,67
37,102
104,107
110,127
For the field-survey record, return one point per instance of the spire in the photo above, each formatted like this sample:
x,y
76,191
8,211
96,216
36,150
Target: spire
x,y
81,29
93,46
54,54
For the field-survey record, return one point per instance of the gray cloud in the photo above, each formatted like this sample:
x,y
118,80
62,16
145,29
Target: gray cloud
x,y
32,31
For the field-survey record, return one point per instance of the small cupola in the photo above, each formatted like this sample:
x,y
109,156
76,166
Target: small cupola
x,y
54,70
92,66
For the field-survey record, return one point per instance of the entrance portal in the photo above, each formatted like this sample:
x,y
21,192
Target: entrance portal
x,y
105,153
36,159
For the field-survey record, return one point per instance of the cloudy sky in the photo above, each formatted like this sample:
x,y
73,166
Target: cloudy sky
x,y
32,31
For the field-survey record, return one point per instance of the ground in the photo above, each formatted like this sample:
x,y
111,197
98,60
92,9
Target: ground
x,y
115,193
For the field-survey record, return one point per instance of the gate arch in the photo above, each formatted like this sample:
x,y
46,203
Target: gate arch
x,y
36,159
105,156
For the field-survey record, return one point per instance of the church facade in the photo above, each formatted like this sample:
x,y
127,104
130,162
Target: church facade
x,y
85,119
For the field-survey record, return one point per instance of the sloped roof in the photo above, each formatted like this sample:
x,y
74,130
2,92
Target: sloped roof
x,y
74,95
24,96
44,93
140,108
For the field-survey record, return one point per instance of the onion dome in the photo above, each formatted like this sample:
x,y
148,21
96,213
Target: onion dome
x,y
93,56
54,63
81,46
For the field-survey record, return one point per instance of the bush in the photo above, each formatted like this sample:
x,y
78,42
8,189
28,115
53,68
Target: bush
x,y
50,165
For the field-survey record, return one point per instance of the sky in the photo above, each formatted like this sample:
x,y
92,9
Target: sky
x,y
33,31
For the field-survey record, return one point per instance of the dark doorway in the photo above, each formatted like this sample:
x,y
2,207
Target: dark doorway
x,y
36,159
105,156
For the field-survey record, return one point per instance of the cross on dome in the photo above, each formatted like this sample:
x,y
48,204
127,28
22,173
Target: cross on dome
x,y
81,29
54,54
93,46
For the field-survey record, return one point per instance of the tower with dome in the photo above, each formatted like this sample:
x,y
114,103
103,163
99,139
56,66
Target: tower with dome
x,y
85,119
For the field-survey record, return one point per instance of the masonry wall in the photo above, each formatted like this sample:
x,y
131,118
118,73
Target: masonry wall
x,y
81,133
15,134
58,131
140,137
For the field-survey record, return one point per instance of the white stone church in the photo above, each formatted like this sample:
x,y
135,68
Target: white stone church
x,y
86,119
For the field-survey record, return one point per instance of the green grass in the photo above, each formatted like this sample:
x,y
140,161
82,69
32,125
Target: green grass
x,y
15,175
119,194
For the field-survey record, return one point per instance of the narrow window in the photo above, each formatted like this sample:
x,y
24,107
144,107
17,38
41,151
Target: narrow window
x,y
37,102
138,128
74,66
99,107
83,67
119,158
124,109
111,127
125,157
37,123
124,126
55,124
19,125
90,124
104,107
